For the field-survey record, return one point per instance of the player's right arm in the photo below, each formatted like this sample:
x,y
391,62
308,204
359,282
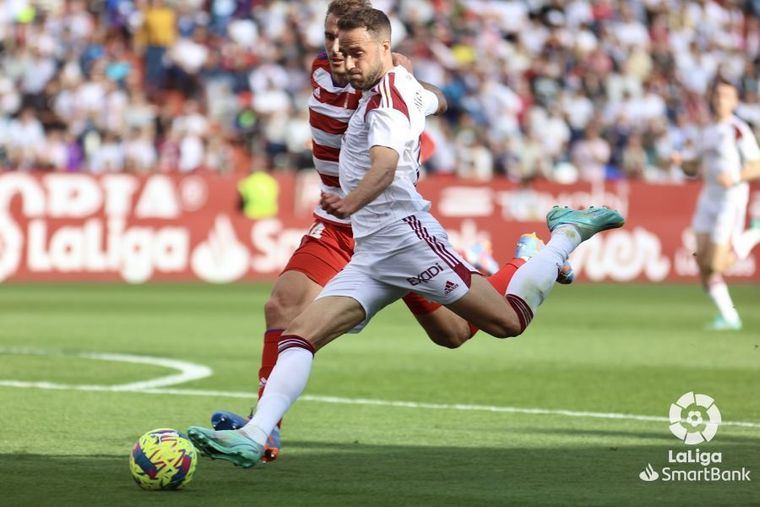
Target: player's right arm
x,y
383,163
388,129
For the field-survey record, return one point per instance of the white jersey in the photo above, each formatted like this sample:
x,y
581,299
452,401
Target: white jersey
x,y
391,114
726,147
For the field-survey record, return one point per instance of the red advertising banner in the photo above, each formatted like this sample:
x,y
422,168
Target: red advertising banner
x,y
56,226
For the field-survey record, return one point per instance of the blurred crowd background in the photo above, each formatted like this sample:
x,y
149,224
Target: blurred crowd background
x,y
557,90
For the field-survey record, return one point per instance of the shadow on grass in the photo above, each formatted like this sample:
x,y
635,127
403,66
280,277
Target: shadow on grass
x,y
316,473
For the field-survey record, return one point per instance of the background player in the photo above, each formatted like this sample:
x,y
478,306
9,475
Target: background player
x,y
329,244
396,238
728,156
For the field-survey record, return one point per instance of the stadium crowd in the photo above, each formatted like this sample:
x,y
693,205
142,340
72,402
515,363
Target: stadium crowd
x,y
560,90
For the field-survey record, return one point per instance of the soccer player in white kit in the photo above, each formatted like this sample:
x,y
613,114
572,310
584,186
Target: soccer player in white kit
x,y
400,247
729,157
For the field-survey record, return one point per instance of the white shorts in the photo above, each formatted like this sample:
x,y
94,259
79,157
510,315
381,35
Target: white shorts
x,y
722,220
411,255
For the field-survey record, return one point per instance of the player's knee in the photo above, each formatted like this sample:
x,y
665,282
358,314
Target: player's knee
x,y
279,310
720,264
504,327
450,340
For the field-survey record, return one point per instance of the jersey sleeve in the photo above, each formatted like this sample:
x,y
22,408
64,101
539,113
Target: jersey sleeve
x,y
747,144
429,102
388,127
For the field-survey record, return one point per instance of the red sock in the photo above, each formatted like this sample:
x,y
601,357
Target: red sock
x,y
268,356
419,305
500,280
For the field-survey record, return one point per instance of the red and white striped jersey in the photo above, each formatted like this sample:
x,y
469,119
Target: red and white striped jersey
x,y
330,108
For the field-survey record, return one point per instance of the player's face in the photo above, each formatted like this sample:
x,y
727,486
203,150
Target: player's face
x,y
364,57
334,56
725,100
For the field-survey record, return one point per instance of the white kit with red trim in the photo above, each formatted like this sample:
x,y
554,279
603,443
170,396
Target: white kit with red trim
x,y
391,114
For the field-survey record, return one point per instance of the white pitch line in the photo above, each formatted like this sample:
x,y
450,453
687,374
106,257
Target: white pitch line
x,y
364,401
187,371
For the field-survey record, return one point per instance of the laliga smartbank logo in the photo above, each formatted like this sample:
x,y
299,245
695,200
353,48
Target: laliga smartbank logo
x,y
694,419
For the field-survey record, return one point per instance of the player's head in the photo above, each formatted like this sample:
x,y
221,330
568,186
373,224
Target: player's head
x,y
725,98
365,41
336,10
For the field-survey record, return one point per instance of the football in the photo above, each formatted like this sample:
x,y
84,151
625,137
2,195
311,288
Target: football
x,y
162,459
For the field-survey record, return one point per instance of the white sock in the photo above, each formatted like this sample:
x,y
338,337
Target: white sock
x,y
718,291
746,241
535,279
286,383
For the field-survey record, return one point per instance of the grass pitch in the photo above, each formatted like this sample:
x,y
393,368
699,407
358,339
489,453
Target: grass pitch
x,y
601,349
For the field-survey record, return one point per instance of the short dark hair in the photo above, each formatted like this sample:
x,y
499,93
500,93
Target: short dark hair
x,y
340,8
375,21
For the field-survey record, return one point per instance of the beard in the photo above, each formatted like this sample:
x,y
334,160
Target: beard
x,y
365,82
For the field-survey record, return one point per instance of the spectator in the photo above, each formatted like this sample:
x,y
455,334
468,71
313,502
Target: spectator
x,y
591,154
157,34
108,156
634,157
26,139
525,81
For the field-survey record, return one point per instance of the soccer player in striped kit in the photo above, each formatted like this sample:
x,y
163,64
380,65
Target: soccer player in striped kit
x,y
400,247
329,244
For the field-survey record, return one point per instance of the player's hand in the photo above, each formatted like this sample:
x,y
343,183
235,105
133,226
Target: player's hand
x,y
676,158
726,180
335,205
404,61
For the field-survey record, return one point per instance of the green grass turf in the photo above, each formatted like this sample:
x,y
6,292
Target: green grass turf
x,y
602,348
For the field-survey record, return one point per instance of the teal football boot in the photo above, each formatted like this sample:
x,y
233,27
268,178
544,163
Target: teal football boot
x,y
586,221
231,446
721,324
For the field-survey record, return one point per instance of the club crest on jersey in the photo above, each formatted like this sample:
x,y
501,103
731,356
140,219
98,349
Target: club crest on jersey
x,y
426,275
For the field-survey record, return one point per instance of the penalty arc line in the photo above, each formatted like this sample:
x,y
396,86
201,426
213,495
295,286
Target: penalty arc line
x,y
363,401
187,371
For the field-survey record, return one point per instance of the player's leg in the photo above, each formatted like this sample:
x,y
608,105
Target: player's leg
x,y
717,258
291,294
443,326
323,320
347,302
747,240
447,329
531,284
714,257
323,252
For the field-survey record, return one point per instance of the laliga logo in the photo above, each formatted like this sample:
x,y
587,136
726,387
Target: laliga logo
x,y
694,418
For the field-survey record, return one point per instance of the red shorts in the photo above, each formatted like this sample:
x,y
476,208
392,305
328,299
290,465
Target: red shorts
x,y
324,251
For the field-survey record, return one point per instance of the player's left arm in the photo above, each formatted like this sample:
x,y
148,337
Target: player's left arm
x,y
437,97
750,154
379,177
436,103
